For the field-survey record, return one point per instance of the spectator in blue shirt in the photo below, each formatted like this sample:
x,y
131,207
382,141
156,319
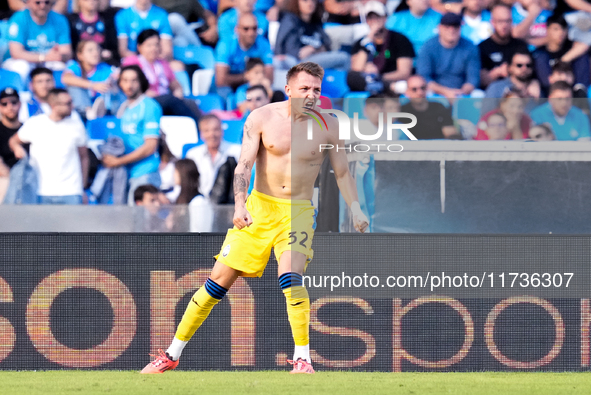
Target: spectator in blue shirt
x,y
476,26
131,21
38,35
567,122
232,54
449,63
229,19
301,38
529,22
140,129
418,23
89,79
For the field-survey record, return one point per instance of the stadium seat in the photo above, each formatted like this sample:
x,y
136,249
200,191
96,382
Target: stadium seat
x,y
231,102
183,78
101,128
354,102
10,79
233,131
467,108
334,84
211,101
178,132
279,77
187,147
57,76
203,56
202,81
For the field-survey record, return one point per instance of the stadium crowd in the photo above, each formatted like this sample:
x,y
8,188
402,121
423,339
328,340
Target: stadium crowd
x,y
88,87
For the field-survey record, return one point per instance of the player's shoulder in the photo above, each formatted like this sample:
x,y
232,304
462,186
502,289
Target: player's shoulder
x,y
268,112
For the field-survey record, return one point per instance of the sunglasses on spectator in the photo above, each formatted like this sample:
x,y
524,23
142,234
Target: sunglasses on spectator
x,y
254,98
247,28
6,103
521,65
419,88
538,136
46,2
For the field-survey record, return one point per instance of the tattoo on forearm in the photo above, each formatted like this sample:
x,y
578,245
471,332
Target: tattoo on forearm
x,y
248,128
246,165
240,184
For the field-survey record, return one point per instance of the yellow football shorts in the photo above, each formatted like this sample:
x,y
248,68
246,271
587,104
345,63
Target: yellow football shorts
x,y
281,224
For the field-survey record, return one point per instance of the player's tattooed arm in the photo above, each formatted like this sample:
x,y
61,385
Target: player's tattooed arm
x,y
250,146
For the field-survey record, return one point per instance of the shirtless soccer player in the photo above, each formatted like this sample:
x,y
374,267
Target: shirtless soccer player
x,y
278,214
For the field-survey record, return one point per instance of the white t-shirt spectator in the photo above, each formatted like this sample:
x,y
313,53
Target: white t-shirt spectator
x,y
208,167
54,153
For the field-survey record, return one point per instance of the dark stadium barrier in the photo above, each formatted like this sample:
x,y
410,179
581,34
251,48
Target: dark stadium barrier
x,y
105,301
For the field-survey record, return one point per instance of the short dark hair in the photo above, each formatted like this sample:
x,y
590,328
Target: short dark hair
x,y
311,68
557,18
523,52
209,117
376,98
146,34
562,67
57,91
144,84
560,86
138,194
251,63
38,71
255,87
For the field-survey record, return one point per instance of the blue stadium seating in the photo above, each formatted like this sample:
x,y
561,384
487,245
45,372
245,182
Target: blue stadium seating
x,y
10,79
231,102
203,56
354,103
211,101
57,76
183,78
334,84
101,128
233,131
467,108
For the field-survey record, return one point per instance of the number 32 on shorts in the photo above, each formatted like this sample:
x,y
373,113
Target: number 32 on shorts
x,y
293,238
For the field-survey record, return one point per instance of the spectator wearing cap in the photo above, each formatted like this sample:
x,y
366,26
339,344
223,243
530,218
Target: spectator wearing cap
x,y
231,55
418,23
381,57
567,122
497,50
521,79
38,35
131,21
9,125
229,19
301,38
58,151
560,48
476,26
449,63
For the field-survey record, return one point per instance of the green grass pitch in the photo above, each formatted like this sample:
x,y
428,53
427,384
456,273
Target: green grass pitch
x,y
340,383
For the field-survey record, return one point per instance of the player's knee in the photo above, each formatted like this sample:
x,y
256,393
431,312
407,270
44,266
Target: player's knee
x,y
215,290
289,280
